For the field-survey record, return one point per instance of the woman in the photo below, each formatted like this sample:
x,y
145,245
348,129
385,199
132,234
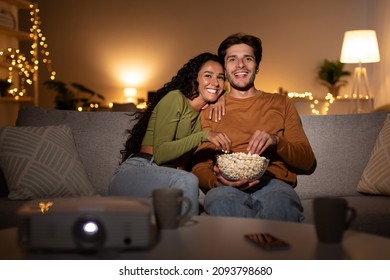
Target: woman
x,y
161,143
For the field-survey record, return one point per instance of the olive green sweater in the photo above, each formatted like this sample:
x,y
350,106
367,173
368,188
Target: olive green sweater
x,y
174,130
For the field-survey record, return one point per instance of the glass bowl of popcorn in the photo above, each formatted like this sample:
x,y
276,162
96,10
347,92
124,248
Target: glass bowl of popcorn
x,y
238,166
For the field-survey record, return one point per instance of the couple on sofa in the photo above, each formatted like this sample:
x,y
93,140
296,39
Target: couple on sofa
x,y
185,126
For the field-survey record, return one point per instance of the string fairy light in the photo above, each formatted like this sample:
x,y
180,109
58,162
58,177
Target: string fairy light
x,y
18,62
309,96
329,99
39,42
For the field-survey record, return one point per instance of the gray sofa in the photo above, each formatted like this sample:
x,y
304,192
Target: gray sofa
x,y
342,145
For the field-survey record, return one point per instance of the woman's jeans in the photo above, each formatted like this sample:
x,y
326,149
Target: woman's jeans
x,y
272,199
138,177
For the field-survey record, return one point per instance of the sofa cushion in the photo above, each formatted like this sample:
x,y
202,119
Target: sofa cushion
x,y
42,162
376,176
99,137
342,145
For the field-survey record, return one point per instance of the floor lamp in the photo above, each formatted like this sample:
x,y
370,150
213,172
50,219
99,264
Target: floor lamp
x,y
360,46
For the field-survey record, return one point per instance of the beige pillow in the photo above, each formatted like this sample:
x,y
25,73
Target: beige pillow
x,y
42,161
376,175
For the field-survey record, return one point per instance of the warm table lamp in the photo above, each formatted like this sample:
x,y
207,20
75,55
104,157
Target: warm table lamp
x,y
360,46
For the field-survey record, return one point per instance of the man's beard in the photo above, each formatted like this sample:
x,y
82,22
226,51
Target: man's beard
x,y
245,87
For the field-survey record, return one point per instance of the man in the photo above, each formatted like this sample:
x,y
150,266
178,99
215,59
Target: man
x,y
255,122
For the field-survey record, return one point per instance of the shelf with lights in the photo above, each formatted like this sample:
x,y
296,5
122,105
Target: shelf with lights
x,y
17,99
21,4
23,68
20,35
11,67
306,104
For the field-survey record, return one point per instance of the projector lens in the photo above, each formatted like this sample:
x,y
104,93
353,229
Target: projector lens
x,y
90,228
89,233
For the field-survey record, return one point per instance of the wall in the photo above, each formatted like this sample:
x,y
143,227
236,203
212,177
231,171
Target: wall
x,y
379,19
107,47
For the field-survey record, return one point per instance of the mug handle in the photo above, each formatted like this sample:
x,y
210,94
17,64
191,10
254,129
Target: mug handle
x,y
185,199
351,216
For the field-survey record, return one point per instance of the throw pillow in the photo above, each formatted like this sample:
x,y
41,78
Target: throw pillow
x,y
376,175
42,161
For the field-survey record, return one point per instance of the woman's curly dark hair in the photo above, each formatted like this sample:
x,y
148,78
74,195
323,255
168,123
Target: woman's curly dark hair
x,y
185,81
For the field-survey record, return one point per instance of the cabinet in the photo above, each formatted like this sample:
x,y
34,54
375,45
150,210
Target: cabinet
x,y
10,37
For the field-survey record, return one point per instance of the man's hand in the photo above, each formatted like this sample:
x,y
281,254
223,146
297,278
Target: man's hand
x,y
260,141
241,184
220,140
217,110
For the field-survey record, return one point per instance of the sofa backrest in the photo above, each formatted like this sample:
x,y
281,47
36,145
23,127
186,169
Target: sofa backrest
x,y
342,145
99,137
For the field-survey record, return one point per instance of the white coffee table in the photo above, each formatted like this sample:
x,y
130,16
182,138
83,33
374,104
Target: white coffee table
x,y
206,237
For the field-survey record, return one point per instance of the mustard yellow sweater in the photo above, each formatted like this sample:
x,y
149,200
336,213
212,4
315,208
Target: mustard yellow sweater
x,y
272,113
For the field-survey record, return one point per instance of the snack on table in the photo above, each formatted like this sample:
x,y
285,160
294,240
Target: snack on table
x,y
238,166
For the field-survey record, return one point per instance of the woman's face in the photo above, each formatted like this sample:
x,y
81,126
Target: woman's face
x,y
211,79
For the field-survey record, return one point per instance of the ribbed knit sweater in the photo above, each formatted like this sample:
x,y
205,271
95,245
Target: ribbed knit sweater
x,y
273,113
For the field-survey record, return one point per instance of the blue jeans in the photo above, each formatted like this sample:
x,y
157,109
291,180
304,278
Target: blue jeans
x,y
272,199
138,177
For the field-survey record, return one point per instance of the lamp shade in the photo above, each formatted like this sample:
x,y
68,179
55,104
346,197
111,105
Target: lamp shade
x,y
360,46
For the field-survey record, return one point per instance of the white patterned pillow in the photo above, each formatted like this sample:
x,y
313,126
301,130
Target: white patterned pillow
x,y
42,161
376,175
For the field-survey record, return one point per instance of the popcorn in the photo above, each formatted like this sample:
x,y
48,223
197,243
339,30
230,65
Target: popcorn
x,y
238,166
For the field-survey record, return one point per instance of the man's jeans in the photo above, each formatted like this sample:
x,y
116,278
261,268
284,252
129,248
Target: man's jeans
x,y
272,199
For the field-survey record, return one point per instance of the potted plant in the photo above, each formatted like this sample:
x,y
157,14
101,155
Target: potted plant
x,y
4,87
67,99
330,73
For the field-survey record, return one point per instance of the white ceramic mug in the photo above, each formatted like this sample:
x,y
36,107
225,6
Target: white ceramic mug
x,y
167,205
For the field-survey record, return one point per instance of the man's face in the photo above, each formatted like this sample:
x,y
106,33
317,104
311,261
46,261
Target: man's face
x,y
240,65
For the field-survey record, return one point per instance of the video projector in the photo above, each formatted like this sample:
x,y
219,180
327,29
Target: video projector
x,y
85,224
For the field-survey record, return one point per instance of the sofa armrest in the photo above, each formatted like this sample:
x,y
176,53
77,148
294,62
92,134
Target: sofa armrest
x,y
3,185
